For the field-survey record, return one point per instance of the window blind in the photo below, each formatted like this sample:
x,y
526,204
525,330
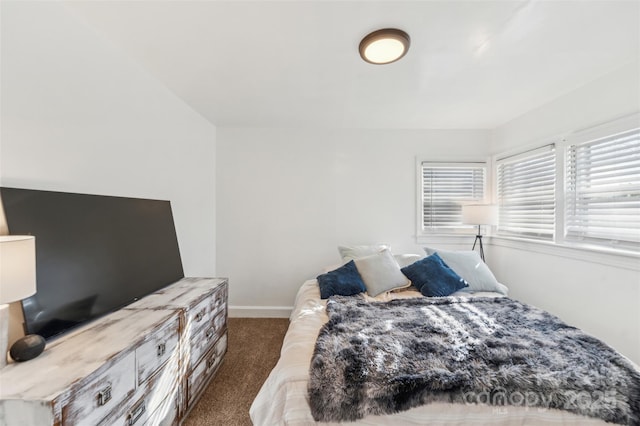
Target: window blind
x,y
445,188
603,190
526,194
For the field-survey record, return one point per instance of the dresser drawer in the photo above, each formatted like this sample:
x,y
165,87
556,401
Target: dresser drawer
x,y
158,347
199,316
155,403
204,370
167,415
219,300
201,342
105,391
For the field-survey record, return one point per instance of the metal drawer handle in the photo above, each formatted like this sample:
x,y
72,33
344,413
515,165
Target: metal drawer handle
x,y
136,412
210,333
104,396
200,315
211,362
162,348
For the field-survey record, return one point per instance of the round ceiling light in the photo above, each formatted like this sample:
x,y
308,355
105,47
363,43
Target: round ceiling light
x,y
384,46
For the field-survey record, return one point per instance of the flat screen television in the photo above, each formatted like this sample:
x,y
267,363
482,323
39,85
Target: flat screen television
x,y
94,253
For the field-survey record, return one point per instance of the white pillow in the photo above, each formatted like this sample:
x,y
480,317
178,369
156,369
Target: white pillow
x,y
380,273
406,259
348,253
471,268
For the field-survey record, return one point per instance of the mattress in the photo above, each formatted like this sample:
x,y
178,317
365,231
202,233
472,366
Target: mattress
x,y
283,398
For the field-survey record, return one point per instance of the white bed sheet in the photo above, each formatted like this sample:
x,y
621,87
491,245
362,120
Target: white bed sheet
x,y
283,398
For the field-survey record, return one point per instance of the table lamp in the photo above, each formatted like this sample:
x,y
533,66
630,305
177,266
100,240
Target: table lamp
x,y
17,279
480,214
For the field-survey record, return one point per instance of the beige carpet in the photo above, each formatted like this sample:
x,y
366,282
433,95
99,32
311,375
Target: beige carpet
x,y
254,348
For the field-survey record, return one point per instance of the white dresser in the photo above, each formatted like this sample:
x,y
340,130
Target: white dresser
x,y
146,364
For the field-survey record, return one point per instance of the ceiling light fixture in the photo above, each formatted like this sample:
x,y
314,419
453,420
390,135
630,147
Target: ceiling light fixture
x,y
384,46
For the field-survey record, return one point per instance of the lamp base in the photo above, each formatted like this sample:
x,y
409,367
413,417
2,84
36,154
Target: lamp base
x,y
27,347
4,334
479,240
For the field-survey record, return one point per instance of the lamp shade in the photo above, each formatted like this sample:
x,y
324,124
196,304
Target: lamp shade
x,y
17,267
480,214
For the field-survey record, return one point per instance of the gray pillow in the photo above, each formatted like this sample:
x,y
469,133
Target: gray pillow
x,y
381,273
471,268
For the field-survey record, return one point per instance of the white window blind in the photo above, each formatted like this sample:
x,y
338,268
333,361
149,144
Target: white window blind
x,y
445,188
603,191
526,194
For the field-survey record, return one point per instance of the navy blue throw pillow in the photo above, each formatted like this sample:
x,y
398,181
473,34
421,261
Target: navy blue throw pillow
x,y
344,281
433,277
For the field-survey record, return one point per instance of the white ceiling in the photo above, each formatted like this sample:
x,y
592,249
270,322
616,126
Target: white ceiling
x,y
473,64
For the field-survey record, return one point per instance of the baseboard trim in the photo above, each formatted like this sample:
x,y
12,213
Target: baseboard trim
x,y
260,311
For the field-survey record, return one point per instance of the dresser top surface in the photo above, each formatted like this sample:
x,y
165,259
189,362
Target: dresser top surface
x,y
184,293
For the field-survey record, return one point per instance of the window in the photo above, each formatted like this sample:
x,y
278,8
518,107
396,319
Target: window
x,y
603,191
445,188
581,192
526,194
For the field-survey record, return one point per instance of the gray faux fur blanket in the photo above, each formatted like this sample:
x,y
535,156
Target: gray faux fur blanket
x,y
385,357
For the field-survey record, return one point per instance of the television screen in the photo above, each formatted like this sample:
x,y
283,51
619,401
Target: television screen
x,y
94,254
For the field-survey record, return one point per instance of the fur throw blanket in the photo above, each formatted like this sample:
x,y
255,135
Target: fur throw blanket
x,y
385,357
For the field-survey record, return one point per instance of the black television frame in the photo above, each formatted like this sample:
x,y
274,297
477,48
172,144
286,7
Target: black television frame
x,y
94,253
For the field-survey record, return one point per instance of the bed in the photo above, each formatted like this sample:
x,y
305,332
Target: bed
x,y
284,398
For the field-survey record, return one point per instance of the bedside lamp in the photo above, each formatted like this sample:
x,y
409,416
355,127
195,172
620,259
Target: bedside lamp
x,y
17,279
480,214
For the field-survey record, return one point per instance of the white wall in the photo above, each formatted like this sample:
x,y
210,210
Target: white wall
x,y
599,296
614,95
287,198
79,116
